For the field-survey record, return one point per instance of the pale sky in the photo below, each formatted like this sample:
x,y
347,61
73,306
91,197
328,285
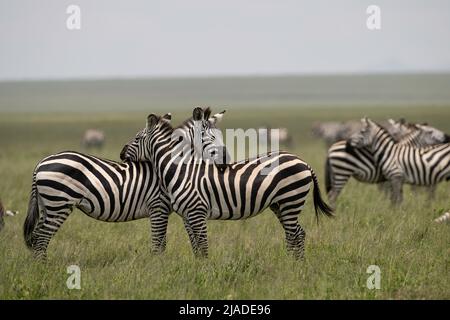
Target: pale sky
x,y
150,38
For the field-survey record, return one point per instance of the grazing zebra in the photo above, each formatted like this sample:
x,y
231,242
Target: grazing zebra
x,y
398,163
334,131
201,190
93,138
279,134
344,161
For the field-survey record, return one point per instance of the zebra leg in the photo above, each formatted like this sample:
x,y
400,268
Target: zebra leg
x,y
46,229
158,223
196,224
432,192
338,183
295,234
397,190
385,188
191,235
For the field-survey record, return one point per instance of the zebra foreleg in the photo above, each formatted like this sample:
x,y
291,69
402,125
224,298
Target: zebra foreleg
x,y
197,231
192,238
158,223
397,190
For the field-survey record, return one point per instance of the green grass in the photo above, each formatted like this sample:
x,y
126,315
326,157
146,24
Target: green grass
x,y
247,258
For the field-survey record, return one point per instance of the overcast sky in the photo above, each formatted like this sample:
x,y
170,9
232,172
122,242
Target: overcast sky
x,y
152,38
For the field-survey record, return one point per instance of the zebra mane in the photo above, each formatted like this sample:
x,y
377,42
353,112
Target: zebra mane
x,y
382,129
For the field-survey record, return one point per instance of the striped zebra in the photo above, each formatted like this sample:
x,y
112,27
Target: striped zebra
x,y
201,190
344,161
425,166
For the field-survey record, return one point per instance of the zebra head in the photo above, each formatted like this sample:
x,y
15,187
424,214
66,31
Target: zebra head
x,y
206,136
138,149
364,137
430,135
399,128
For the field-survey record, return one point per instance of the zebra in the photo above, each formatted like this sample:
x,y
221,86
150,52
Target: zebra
x,y
201,190
425,166
344,161
93,138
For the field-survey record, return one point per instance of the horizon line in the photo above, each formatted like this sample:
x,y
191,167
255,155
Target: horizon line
x,y
225,76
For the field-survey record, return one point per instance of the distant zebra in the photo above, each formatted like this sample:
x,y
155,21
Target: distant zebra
x,y
344,161
93,138
200,190
333,131
400,164
281,135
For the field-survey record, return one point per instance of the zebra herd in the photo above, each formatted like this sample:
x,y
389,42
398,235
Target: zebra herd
x,y
161,174
167,169
406,153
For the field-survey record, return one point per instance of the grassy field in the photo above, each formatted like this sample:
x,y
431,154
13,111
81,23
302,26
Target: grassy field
x,y
247,258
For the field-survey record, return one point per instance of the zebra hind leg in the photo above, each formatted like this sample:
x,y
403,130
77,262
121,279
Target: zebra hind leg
x,y
295,234
48,225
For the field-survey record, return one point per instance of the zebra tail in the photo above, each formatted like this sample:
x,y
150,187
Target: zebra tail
x,y
327,175
320,206
32,215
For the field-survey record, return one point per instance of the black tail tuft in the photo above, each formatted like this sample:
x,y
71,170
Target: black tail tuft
x,y
32,216
319,205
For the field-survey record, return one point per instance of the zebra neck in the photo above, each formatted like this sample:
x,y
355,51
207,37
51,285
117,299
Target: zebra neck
x,y
382,145
412,139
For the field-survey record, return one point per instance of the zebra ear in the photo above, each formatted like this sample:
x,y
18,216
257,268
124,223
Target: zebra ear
x,y
217,117
152,120
197,114
167,117
391,121
206,113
